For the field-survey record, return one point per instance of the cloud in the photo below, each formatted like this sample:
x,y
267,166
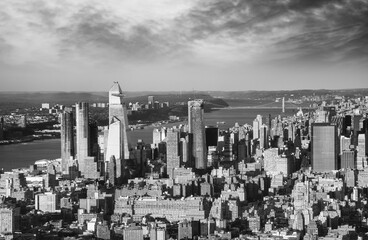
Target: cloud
x,y
171,39
152,30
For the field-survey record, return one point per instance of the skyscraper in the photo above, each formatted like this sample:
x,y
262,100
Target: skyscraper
x,y
260,120
1,128
211,136
114,144
344,144
196,127
117,142
255,129
151,101
67,140
324,147
184,152
82,125
361,161
257,123
263,136
172,149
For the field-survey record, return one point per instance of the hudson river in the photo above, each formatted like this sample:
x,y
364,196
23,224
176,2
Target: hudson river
x,y
25,154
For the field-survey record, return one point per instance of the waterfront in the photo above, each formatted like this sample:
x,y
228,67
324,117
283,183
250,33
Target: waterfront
x,y
22,155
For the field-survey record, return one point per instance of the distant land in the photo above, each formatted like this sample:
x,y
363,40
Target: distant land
x,y
287,93
10,101
214,99
65,97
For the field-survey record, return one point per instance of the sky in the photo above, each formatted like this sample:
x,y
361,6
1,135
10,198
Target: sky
x,y
180,45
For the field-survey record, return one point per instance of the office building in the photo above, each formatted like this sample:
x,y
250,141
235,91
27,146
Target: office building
x,y
257,123
212,134
361,161
255,129
133,233
67,140
117,141
157,136
242,150
91,168
186,229
172,151
254,223
158,233
110,173
82,130
347,159
197,128
47,202
195,208
275,164
345,143
207,227
102,231
114,144
184,152
8,220
324,147
263,137
356,128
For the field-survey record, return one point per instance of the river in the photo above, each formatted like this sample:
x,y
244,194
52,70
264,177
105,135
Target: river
x,y
24,154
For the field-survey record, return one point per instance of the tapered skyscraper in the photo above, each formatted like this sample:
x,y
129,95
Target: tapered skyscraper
x,y
67,140
82,125
196,127
117,142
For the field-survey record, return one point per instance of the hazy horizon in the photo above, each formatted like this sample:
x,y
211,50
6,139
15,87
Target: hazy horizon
x,y
186,91
181,45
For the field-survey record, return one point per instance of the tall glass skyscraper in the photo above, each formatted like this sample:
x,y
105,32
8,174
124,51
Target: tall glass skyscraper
x,y
67,140
83,140
117,143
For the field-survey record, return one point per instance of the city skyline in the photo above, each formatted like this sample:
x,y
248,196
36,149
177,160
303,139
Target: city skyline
x,y
183,45
290,175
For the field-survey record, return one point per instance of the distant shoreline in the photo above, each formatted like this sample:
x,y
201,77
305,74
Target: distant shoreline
x,y
25,140
259,107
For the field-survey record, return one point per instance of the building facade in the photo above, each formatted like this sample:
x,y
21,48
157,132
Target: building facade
x,y
197,128
324,147
83,139
67,140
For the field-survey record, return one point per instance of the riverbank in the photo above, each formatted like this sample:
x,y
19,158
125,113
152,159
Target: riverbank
x,y
27,139
261,107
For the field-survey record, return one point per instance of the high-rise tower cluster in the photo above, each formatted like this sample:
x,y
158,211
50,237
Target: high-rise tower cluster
x,y
86,140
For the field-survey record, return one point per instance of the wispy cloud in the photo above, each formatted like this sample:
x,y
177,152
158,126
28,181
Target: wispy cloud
x,y
211,29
